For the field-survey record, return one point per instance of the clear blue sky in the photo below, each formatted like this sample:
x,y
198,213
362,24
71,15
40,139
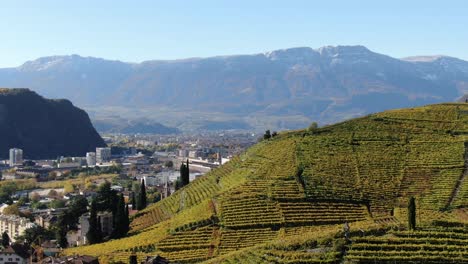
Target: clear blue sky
x,y
142,30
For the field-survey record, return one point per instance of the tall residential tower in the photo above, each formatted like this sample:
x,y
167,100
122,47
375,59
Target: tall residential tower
x,y
103,155
16,157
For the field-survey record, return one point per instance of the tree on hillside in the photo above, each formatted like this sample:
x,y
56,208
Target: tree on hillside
x,y
53,194
100,235
133,259
141,201
61,231
7,190
187,173
178,184
313,126
5,239
137,202
57,203
184,174
120,219
107,198
35,197
77,207
181,171
133,201
24,199
11,210
52,175
169,164
127,221
154,197
267,135
68,188
94,234
69,219
412,214
32,234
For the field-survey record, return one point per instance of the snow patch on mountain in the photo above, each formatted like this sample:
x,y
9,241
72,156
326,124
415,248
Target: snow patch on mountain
x,y
42,64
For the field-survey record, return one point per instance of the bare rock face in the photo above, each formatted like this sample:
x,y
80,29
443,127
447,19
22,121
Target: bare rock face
x,y
44,128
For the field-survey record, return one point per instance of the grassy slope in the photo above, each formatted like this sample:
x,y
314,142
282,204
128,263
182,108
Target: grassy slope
x,y
303,180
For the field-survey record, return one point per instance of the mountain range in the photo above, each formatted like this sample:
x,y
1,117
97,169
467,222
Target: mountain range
x,y
281,89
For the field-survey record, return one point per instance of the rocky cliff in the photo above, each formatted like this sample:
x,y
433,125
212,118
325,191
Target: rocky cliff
x,y
44,128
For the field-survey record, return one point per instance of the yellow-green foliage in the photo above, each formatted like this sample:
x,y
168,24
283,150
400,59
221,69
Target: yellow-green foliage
x,y
388,157
461,199
199,215
311,244
80,181
297,190
428,245
21,184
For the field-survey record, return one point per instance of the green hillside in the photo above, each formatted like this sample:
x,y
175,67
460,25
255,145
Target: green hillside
x,y
285,200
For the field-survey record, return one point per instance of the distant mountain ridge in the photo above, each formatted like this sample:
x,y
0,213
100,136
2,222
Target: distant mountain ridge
x,y
279,89
44,128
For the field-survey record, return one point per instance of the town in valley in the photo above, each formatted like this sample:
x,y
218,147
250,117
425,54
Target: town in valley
x,y
49,200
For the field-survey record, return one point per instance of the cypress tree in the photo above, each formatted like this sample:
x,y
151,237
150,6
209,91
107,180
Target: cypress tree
x,y
94,234
119,218
61,236
5,239
143,194
184,174
91,234
133,201
412,214
187,173
138,202
141,201
99,233
133,259
61,231
126,221
178,184
107,198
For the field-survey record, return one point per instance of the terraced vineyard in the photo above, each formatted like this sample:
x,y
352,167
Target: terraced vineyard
x,y
285,200
232,240
430,245
323,213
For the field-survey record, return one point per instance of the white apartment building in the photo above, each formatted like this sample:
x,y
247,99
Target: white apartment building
x,y
14,225
91,158
16,156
